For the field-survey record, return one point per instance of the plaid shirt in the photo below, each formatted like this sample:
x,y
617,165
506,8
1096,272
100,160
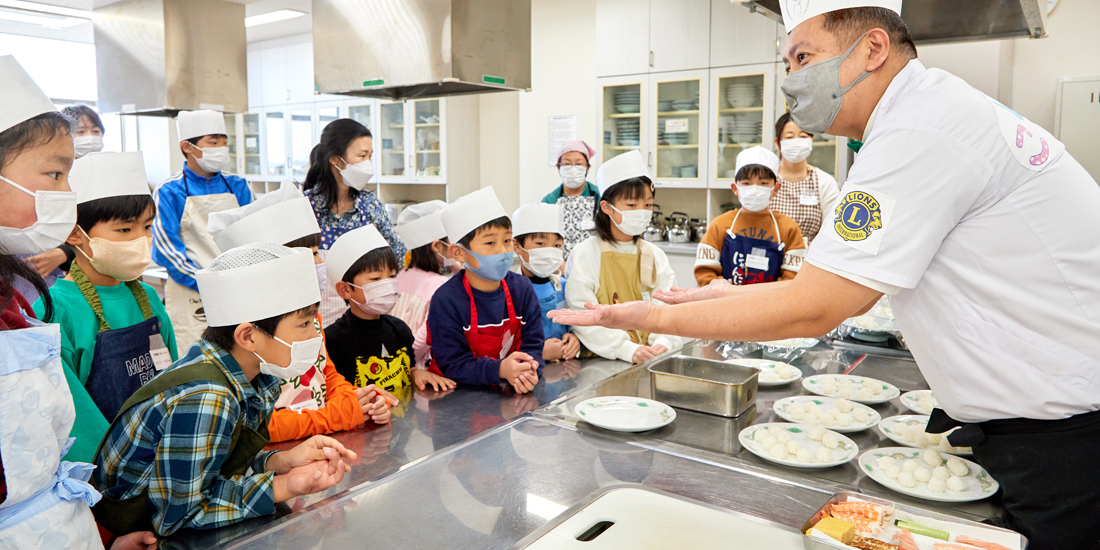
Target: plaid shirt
x,y
173,445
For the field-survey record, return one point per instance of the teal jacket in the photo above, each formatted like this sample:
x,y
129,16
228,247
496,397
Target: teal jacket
x,y
590,190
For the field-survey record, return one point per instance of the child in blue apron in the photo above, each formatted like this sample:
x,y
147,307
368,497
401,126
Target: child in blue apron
x,y
485,324
537,236
115,333
751,244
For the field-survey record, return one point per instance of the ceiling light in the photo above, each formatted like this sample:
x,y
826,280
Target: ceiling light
x,y
271,17
45,8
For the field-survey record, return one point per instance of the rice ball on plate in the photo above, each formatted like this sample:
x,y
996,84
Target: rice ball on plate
x,y
923,475
860,415
931,458
816,433
922,440
796,406
769,442
864,393
844,420
779,451
760,435
834,412
934,439
843,405
826,419
907,479
893,472
767,376
885,462
910,433
828,388
804,456
797,415
957,466
942,473
910,466
829,440
956,484
787,372
793,447
813,409
937,485
783,437
846,393
877,389
823,455
867,383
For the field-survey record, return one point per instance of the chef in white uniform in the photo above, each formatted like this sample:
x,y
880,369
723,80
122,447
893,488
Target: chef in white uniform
x,y
982,228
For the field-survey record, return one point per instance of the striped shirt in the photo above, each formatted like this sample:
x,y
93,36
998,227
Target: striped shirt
x,y
172,447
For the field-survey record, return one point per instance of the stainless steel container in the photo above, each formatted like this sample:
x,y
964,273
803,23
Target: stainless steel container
x,y
704,385
814,544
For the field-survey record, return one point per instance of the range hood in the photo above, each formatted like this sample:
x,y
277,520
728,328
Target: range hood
x,y
401,49
160,57
943,21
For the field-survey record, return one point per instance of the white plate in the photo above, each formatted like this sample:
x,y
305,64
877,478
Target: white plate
x,y
801,434
911,400
979,484
625,414
889,391
893,428
782,408
768,365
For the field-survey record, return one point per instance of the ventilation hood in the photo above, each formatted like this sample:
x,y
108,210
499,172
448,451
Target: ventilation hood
x,y
160,57
401,49
943,21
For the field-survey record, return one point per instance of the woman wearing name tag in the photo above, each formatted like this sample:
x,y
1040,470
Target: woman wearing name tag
x,y
806,193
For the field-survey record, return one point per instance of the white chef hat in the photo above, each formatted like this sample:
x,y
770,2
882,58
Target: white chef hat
x,y
193,124
471,212
623,167
23,99
536,218
101,175
419,224
797,11
348,248
758,155
278,217
255,282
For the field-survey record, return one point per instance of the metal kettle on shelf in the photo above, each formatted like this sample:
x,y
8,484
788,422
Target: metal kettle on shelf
x,y
678,230
655,231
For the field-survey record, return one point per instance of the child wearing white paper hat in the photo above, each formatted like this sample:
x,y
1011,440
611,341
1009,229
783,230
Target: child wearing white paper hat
x,y
320,400
538,238
117,335
192,434
617,266
751,244
484,326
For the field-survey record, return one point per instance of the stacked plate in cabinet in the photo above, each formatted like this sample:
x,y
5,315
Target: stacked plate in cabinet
x,y
744,130
744,94
629,131
628,101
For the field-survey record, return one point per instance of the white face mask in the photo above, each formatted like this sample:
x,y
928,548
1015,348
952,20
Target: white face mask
x,y
447,262
124,261
213,159
754,198
796,150
543,262
87,144
634,221
357,175
303,355
379,297
56,211
572,176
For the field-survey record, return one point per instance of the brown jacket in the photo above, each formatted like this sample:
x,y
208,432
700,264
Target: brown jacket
x,y
749,224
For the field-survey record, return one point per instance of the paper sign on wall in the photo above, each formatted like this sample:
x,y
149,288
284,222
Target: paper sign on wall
x,y
560,129
676,126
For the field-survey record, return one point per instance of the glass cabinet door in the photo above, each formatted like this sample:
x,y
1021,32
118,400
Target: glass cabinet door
x,y
740,102
361,114
622,119
678,130
251,138
823,155
301,142
231,133
326,115
393,139
428,123
275,134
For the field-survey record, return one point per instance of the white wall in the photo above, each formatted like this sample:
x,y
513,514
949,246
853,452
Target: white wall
x,y
499,149
563,82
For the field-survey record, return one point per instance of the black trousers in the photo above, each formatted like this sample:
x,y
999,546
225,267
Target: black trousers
x,y
1049,473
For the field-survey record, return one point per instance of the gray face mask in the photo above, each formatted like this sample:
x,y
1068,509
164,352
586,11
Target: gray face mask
x,y
815,94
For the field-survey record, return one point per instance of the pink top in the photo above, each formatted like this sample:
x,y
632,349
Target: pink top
x,y
417,287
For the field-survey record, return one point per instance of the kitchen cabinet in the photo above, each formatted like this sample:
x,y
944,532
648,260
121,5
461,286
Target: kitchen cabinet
x,y
622,37
741,37
622,103
233,134
412,141
641,36
252,159
679,128
742,116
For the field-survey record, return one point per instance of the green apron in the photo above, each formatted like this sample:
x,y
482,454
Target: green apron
x,y
121,517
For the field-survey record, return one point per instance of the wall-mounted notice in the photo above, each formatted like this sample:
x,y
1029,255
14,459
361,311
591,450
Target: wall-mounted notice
x,y
561,128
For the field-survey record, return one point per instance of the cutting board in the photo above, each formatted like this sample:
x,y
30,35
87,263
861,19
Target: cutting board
x,y
644,519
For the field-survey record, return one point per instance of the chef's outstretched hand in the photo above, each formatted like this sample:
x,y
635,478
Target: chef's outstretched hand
x,y
717,288
628,316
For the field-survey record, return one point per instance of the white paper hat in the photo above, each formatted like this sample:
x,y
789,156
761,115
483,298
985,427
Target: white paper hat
x,y
757,155
471,212
23,99
193,124
420,224
278,217
623,167
536,218
101,175
255,282
797,11
348,248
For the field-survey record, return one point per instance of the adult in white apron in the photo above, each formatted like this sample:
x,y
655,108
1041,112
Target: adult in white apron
x,y
576,197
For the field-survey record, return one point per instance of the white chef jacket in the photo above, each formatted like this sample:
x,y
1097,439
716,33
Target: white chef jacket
x,y
988,231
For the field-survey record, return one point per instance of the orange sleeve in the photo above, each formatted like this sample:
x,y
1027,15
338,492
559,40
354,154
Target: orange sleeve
x,y
792,242
707,265
341,411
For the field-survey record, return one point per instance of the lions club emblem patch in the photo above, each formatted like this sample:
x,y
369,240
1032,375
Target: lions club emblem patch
x,y
857,216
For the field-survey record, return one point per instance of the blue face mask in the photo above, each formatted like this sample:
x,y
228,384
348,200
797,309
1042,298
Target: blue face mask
x,y
492,267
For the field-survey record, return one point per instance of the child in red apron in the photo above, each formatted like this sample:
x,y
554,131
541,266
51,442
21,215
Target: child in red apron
x,y
485,324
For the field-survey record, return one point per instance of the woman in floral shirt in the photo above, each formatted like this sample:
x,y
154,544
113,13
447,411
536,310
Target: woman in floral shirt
x,y
339,167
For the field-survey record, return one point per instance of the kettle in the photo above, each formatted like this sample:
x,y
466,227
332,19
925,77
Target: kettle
x,y
698,228
678,231
655,231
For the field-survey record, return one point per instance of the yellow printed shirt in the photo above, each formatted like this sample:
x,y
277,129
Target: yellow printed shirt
x,y
377,352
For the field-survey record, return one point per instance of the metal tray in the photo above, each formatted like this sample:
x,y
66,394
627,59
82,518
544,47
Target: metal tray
x,y
814,544
704,385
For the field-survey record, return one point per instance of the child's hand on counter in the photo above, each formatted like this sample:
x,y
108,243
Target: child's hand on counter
x,y
311,478
645,353
552,349
526,381
424,378
571,346
319,448
514,365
